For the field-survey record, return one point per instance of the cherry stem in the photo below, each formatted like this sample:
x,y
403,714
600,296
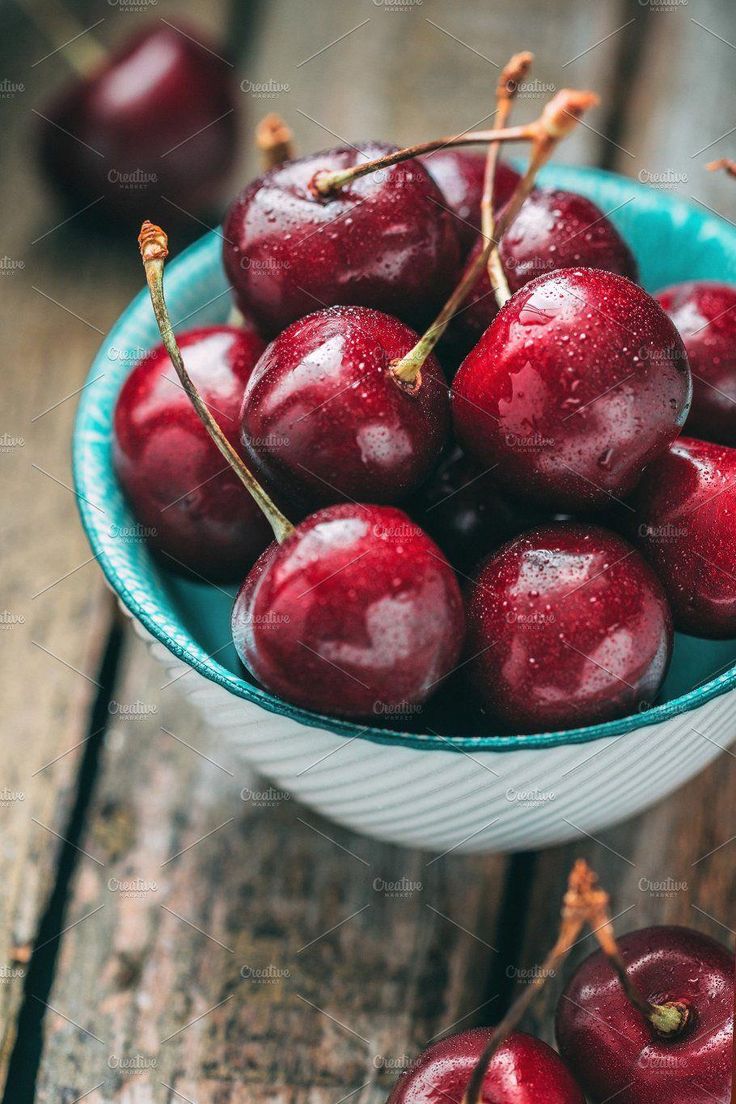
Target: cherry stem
x,y
154,247
723,163
275,141
514,72
668,1019
66,34
326,183
557,120
575,913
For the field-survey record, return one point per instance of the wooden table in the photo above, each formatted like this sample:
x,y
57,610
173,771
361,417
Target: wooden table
x,y
162,938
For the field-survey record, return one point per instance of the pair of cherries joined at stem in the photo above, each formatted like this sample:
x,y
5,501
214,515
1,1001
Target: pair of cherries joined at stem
x,y
648,1019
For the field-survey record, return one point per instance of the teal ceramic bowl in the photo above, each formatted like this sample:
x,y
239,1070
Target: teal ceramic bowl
x,y
644,756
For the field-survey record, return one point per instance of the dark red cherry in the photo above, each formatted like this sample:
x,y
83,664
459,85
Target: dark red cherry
x,y
568,625
462,509
553,230
357,613
384,241
459,173
158,119
685,523
617,1055
579,382
524,1070
705,315
324,417
191,506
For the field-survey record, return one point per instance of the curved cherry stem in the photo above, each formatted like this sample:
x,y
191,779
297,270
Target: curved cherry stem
x,y
669,1019
576,907
66,34
154,247
275,141
559,118
506,89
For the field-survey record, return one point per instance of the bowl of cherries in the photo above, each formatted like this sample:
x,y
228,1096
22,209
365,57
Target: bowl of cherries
x,y
423,471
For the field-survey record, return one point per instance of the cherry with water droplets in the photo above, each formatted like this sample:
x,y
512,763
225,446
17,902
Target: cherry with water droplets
x,y
684,522
157,118
554,229
705,315
325,418
385,241
182,492
567,626
524,1070
356,614
580,381
459,174
616,1054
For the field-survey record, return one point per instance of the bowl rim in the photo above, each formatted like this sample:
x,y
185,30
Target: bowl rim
x,y
146,610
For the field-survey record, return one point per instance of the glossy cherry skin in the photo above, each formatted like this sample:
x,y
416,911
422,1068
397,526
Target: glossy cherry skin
x,y
158,119
324,417
524,1070
568,626
553,230
459,173
685,523
705,315
579,382
613,1051
192,507
463,510
356,614
384,241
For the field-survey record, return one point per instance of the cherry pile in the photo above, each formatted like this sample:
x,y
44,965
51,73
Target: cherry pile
x,y
548,479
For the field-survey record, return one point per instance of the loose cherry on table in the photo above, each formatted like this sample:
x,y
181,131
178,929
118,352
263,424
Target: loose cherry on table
x,y
554,229
385,241
156,118
567,625
580,381
353,609
705,314
459,174
616,1053
182,492
523,1070
325,418
685,512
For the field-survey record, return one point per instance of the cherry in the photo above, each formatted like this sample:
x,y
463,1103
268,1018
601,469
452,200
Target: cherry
x,y
616,1054
554,229
185,496
684,522
385,241
705,315
459,174
567,625
463,510
356,613
578,383
324,416
523,1070
157,118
